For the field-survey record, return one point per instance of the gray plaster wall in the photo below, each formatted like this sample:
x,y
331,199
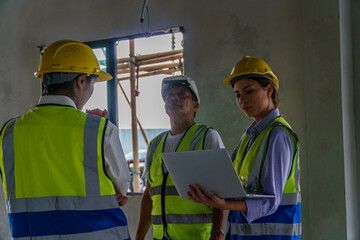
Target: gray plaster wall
x,y
355,28
300,39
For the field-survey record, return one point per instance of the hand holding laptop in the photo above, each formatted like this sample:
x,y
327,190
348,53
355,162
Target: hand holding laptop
x,y
197,195
212,170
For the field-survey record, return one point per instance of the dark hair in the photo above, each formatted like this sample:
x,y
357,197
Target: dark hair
x,y
264,82
51,89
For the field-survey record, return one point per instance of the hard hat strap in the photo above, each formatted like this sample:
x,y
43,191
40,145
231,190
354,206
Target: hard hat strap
x,y
57,78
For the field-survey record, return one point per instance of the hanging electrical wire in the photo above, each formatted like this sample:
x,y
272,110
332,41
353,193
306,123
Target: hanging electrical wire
x,y
145,7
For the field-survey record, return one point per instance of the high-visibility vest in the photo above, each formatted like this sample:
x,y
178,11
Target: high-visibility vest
x,y
285,222
173,217
51,161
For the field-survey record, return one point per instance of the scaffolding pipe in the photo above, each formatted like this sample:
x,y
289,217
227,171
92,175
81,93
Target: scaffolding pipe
x,y
136,170
137,119
150,56
169,71
160,59
152,68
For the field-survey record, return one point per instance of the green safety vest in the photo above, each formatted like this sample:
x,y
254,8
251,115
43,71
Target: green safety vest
x,y
286,221
171,215
51,161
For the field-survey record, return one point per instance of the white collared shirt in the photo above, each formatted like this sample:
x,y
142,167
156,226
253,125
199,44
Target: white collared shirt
x,y
115,163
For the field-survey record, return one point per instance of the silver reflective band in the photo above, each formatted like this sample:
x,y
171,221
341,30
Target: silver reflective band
x,y
197,137
8,153
258,229
183,218
90,155
117,233
291,198
60,203
149,155
169,191
254,176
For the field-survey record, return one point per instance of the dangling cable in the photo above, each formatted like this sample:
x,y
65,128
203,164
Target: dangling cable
x,y
148,33
143,11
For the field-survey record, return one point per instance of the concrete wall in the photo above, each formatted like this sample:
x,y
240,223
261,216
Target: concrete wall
x,y
349,119
355,37
300,39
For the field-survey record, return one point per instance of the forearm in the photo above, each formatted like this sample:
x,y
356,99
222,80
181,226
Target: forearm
x,y
217,229
218,218
145,215
235,205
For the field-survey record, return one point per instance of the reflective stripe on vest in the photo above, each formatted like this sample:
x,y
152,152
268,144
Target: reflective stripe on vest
x,y
182,219
111,233
271,229
286,220
46,216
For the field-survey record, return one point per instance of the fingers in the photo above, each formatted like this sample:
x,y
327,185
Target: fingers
x,y
105,114
200,193
193,195
122,200
197,195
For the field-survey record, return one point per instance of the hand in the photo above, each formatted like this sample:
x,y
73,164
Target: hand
x,y
198,196
102,113
120,198
105,114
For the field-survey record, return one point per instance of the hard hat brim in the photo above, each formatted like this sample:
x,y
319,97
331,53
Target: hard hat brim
x,y
103,76
229,80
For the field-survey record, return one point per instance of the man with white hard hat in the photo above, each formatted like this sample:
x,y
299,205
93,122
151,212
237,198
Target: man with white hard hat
x,y
171,216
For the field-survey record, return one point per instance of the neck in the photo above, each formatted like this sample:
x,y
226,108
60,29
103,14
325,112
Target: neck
x,y
179,125
262,116
70,95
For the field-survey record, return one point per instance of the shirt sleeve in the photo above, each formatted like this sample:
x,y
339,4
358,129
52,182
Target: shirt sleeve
x,y
115,163
276,170
213,140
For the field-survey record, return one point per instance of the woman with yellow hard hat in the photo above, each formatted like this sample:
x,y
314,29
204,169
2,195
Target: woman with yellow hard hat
x,y
266,160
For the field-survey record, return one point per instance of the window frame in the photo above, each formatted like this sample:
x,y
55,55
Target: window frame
x,y
111,65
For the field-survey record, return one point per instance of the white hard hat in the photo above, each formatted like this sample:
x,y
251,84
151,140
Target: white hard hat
x,y
178,81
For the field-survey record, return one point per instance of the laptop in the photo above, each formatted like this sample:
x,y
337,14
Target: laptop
x,y
211,169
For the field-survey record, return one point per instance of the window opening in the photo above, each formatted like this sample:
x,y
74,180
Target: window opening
x,y
99,96
154,56
145,61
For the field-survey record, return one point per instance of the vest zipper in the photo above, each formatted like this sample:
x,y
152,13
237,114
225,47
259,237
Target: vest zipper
x,y
163,187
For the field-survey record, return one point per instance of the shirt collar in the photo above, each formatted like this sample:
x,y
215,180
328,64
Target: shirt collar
x,y
256,128
57,100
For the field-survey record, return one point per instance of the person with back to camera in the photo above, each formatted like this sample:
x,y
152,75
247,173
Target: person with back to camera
x,y
266,160
64,171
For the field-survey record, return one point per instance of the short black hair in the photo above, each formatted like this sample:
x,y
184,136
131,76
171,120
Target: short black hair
x,y
51,89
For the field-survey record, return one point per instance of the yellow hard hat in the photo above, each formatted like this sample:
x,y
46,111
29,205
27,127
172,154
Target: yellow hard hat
x,y
251,67
67,56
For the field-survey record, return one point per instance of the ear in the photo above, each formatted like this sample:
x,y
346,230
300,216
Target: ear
x,y
269,89
196,106
81,81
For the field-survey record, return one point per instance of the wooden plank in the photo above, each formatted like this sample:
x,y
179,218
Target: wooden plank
x,y
152,68
150,56
169,71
